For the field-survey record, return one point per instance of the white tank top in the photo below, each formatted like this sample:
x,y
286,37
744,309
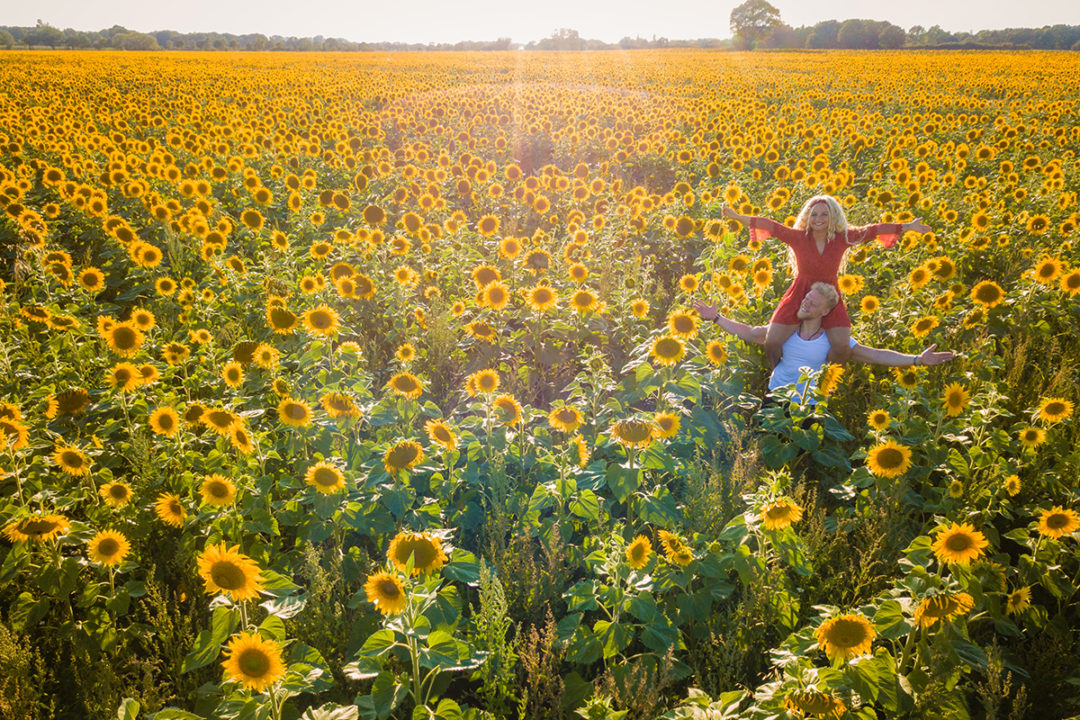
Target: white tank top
x,y
799,354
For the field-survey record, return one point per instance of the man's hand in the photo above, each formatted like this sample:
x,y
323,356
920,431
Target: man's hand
x,y
929,357
707,312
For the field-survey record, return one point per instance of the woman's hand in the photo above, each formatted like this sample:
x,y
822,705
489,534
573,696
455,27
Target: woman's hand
x,y
929,358
917,225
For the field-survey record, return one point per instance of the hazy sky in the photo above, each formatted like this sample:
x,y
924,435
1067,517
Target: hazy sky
x,y
426,21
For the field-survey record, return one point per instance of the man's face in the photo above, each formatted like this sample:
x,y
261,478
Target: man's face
x,y
819,216
813,305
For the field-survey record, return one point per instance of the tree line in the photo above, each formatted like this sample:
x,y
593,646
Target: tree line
x,y
754,25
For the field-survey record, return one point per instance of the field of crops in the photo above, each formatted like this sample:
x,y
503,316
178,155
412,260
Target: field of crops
x,y
371,386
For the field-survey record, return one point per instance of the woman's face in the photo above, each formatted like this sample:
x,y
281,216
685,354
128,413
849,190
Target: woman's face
x,y
819,216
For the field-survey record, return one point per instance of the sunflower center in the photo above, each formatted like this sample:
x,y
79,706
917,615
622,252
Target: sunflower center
x,y
326,477
254,663
401,456
958,542
1054,408
1056,521
667,348
118,492
108,547
124,338
217,489
38,527
227,575
847,634
890,458
71,459
388,589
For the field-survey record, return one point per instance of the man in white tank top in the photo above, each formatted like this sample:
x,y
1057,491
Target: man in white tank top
x,y
808,347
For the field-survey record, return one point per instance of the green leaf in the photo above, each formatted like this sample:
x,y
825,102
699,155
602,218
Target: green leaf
x,y
128,710
208,643
27,611
447,709
277,584
586,506
285,607
441,651
621,481
613,637
171,713
332,711
386,694
378,643
273,627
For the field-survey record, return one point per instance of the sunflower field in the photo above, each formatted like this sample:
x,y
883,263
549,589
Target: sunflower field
x,y
370,386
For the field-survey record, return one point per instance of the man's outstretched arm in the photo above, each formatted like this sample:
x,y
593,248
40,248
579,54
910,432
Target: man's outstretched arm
x,y
891,358
750,333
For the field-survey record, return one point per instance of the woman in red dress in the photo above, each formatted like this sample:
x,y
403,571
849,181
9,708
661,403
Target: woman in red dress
x,y
817,245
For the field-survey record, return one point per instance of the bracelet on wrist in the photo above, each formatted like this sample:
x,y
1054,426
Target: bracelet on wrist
x,y
915,360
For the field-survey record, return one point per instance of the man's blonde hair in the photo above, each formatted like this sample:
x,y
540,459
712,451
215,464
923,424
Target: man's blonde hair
x,y
827,291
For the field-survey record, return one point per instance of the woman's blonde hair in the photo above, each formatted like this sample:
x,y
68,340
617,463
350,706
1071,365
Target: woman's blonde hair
x,y
837,220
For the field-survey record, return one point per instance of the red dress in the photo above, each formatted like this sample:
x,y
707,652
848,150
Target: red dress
x,y
812,266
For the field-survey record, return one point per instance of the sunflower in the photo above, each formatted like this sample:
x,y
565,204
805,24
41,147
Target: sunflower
x,y
780,514
869,304
1057,522
143,319
888,459
339,405
323,320
406,384
403,456
688,283
1012,484
987,294
955,399
667,424
425,549
495,295
253,661
922,327
956,489
227,570
115,494
481,331
507,410
907,378
325,477
280,320
294,413
584,301
233,374
667,350
959,543
1047,270
124,339
815,703
578,272
441,434
683,324
14,434
165,421
1018,601
219,419
71,461
69,402
638,552
580,450
386,592
942,607
241,439
124,376
567,419
830,378
1070,282
675,550
845,637
509,248
1032,438
108,547
265,356
38,528
170,510
406,352
176,353
1052,410
878,419
91,279
639,308
633,433
919,277
541,298
217,490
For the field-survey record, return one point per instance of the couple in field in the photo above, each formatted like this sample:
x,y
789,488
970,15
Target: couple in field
x,y
811,326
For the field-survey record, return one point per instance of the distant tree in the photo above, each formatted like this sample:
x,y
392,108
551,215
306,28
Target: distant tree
x,y
131,40
7,40
75,40
857,35
891,37
751,21
44,34
823,35
784,36
257,42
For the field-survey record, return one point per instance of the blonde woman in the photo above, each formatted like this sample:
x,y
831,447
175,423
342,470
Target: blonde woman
x,y
817,245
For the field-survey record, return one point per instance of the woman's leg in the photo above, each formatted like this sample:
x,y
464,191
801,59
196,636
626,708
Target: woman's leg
x,y
839,344
775,337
